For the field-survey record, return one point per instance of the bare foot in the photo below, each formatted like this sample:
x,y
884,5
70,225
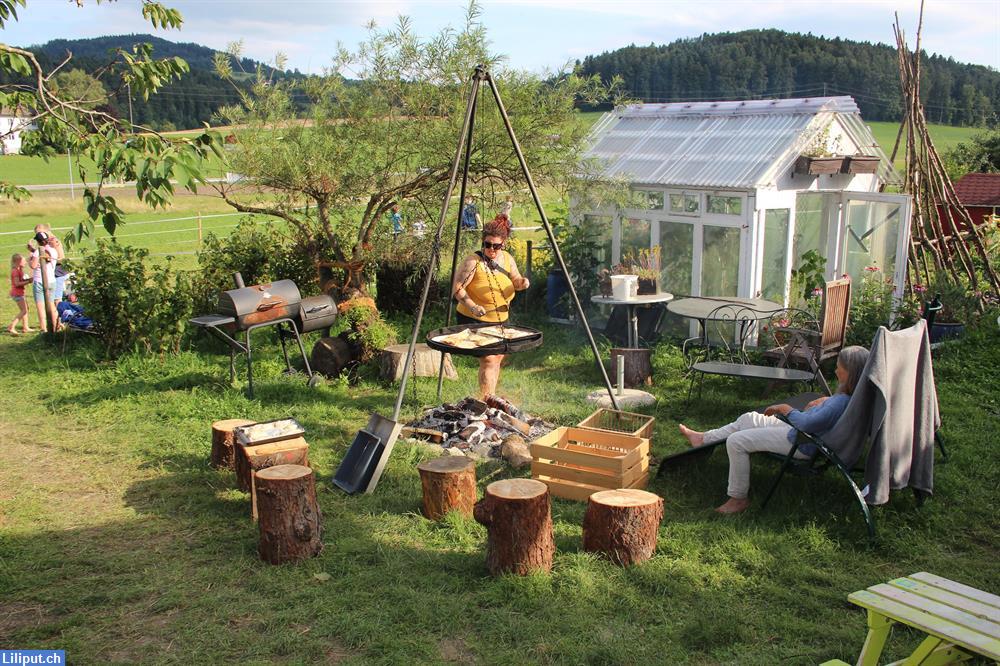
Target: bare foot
x,y
694,437
734,505
12,331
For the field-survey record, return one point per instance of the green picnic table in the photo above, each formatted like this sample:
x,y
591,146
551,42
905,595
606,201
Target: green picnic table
x,y
960,621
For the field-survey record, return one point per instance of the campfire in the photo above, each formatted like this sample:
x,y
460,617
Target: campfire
x,y
479,429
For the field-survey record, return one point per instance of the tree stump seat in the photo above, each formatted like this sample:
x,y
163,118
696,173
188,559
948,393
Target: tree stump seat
x,y
622,525
224,442
449,484
518,521
426,362
290,519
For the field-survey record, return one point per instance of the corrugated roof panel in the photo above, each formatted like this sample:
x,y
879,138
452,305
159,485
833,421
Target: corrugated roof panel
x,y
713,144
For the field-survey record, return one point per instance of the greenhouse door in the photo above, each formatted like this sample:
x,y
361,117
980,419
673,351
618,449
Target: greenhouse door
x,y
874,233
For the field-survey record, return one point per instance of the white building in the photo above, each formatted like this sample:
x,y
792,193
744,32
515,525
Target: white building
x,y
724,190
12,123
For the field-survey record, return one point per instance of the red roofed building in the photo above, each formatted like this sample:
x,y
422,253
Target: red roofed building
x,y
980,194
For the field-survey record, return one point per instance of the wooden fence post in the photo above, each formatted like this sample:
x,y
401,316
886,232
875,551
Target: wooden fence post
x,y
199,229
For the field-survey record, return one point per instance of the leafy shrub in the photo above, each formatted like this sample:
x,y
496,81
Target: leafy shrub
x,y
364,328
808,277
262,252
135,305
874,304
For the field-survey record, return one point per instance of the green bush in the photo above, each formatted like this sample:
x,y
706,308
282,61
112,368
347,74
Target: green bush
x,y
262,252
135,305
874,305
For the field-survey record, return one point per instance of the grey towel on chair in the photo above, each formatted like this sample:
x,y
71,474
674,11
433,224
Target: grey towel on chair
x,y
895,408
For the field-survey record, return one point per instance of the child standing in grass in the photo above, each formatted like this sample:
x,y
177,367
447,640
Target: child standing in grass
x,y
17,282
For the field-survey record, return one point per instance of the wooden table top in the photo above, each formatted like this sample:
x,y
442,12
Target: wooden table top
x,y
954,612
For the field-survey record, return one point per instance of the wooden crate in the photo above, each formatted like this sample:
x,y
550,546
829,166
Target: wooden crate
x,y
629,423
578,462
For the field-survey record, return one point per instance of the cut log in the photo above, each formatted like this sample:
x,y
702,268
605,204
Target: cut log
x,y
330,356
622,525
519,527
435,436
249,459
290,519
449,484
224,442
426,362
638,366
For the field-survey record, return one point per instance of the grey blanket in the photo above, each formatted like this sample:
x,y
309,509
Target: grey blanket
x,y
895,408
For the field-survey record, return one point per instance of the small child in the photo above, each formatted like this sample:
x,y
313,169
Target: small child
x,y
17,282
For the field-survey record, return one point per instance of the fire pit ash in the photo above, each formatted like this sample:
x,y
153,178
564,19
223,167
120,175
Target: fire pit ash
x,y
479,429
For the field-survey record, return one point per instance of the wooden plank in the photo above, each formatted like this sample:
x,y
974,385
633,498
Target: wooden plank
x,y
943,596
642,451
604,438
570,490
549,453
930,624
641,482
423,433
575,474
594,421
276,447
958,588
955,615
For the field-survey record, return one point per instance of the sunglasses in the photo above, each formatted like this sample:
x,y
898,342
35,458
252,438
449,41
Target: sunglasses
x,y
492,246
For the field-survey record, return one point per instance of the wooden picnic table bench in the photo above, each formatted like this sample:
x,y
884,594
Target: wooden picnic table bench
x,y
960,621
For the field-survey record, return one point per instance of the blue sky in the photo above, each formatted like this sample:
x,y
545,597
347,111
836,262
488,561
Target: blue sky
x,y
534,34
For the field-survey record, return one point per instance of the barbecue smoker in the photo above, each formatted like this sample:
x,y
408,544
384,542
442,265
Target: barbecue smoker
x,y
279,304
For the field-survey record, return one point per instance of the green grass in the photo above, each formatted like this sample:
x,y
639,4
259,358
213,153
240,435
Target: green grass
x,y
119,544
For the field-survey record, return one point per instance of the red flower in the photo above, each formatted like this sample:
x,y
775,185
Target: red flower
x,y
871,269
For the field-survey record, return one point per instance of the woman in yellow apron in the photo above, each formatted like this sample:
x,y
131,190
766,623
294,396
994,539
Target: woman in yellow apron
x,y
484,288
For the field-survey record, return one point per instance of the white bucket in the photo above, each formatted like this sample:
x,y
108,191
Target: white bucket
x,y
624,287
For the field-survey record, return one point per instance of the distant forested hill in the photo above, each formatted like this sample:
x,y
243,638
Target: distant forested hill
x,y
773,63
181,105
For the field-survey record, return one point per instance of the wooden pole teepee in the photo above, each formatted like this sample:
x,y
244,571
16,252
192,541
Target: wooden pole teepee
x,y
943,238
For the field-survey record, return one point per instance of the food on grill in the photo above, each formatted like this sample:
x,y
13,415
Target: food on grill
x,y
271,431
466,339
506,332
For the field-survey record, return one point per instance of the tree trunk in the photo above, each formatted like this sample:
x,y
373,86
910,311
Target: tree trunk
x,y
638,366
622,525
290,519
224,442
426,362
519,527
449,484
250,459
331,355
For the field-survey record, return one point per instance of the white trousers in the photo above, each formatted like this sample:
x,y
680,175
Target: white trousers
x,y
750,433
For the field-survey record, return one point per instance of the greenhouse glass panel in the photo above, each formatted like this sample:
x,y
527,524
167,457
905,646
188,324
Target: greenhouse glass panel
x,y
684,203
635,237
871,237
599,229
720,261
815,217
724,205
676,257
774,276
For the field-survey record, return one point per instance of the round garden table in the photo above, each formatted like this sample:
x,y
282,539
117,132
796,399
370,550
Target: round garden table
x,y
702,308
630,304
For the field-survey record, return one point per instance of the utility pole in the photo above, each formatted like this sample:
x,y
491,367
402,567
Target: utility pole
x,y
129,87
69,160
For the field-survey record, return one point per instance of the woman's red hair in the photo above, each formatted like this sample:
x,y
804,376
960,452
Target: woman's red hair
x,y
499,226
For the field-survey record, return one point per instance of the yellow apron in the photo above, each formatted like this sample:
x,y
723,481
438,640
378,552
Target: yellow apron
x,y
490,289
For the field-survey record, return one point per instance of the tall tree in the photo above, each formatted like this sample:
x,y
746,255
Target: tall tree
x,y
381,130
71,116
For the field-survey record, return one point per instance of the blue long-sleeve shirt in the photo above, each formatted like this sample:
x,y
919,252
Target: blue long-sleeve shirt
x,y
818,420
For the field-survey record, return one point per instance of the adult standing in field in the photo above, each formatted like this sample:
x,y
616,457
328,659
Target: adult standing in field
x,y
37,283
484,288
470,215
61,273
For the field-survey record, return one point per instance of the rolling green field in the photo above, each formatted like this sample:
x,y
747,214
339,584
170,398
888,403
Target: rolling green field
x,y
22,170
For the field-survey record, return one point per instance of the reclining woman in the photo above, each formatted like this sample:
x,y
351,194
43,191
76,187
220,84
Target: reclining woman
x,y
754,432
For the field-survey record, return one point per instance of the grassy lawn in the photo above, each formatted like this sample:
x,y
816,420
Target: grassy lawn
x,y
120,545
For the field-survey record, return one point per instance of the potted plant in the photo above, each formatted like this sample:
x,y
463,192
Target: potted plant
x,y
958,307
820,156
645,265
860,164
